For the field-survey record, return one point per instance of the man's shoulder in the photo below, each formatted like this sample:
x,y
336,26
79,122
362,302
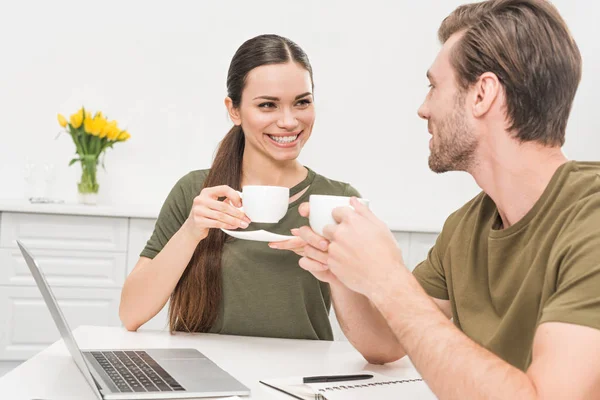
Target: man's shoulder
x,y
579,192
470,212
583,180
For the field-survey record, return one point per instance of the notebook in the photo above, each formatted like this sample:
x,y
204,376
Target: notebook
x,y
379,387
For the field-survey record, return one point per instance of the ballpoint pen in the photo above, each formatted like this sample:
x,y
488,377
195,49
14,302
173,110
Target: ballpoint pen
x,y
335,378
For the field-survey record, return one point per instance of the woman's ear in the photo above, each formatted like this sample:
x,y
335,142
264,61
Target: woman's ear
x,y
234,113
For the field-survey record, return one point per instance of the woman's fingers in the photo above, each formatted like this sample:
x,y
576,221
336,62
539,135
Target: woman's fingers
x,y
226,208
216,192
291,244
217,219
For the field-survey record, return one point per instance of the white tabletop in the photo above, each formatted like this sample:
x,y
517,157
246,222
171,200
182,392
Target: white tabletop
x,y
52,374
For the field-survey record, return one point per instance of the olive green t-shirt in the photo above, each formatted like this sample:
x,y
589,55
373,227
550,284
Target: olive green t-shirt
x,y
265,292
503,283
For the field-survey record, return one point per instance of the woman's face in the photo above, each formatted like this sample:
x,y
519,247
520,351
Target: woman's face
x,y
276,111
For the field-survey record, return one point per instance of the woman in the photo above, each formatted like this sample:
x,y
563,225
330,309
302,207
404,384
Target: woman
x,y
221,285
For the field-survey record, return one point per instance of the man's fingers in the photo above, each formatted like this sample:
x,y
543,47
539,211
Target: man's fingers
x,y
316,254
360,208
340,214
310,237
329,231
311,265
304,209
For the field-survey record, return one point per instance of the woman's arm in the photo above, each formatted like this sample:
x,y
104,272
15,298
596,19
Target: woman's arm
x,y
150,284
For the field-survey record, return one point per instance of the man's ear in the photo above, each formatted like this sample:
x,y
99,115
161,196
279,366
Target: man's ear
x,y
486,90
234,113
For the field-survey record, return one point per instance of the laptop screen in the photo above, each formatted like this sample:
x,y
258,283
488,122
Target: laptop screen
x,y
58,317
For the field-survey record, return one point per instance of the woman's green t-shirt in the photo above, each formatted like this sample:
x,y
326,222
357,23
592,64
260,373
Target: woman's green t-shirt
x,y
265,292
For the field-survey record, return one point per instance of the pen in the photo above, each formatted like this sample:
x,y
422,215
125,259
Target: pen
x,y
335,378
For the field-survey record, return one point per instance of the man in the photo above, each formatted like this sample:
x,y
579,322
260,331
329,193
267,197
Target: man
x,y
517,268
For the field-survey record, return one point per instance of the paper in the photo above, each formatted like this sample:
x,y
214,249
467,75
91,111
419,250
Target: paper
x,y
380,387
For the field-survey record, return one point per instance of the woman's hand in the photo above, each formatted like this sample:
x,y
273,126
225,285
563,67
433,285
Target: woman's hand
x,y
209,212
296,244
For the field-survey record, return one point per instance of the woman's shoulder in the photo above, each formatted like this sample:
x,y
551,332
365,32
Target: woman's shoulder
x,y
190,185
324,185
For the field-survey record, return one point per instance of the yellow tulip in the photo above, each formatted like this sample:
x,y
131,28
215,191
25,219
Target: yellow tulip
x,y
77,119
62,120
105,129
112,130
90,127
123,136
98,125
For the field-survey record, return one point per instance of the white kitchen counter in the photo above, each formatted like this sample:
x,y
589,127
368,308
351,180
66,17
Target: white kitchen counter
x,y
129,210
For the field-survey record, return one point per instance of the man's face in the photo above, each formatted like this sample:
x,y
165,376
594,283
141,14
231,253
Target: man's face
x,y
453,142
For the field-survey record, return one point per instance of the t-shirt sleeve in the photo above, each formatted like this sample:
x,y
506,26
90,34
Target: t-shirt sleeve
x,y
577,296
430,273
173,214
350,191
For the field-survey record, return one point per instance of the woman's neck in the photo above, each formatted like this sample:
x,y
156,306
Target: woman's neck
x,y
260,170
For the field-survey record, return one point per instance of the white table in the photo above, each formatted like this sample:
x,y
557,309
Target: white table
x,y
52,374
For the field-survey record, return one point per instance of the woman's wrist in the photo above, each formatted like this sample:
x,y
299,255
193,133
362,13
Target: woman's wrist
x,y
192,233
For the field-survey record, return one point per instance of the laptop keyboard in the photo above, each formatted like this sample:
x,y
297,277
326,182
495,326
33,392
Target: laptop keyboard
x,y
135,371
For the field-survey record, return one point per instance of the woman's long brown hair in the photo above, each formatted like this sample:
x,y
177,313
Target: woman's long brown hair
x,y
196,299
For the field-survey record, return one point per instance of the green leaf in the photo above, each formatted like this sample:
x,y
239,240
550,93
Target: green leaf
x,y
73,161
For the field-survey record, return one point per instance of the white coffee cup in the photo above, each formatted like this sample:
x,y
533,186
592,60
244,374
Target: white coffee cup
x,y
265,204
321,209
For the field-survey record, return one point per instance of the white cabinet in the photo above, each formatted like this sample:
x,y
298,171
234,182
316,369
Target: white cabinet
x,y
65,268
85,259
27,326
64,232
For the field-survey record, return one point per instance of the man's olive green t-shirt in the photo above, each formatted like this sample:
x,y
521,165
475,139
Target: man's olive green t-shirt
x,y
265,292
503,283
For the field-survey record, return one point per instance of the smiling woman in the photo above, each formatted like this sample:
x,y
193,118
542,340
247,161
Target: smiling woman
x,y
221,285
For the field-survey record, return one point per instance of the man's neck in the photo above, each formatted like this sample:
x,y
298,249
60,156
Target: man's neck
x,y
515,176
258,169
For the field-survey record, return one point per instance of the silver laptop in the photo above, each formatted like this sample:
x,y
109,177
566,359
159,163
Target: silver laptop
x,y
140,374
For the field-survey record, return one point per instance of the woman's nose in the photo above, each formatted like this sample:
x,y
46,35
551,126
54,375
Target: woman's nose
x,y
287,120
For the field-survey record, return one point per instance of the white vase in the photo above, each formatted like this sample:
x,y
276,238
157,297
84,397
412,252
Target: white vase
x,y
88,198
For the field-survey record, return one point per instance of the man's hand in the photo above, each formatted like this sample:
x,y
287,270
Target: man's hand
x,y
312,247
362,252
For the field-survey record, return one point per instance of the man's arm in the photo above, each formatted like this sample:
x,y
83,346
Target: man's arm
x,y
361,322
565,363
366,328
566,357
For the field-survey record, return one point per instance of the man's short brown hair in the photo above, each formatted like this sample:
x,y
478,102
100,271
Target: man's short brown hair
x,y
527,44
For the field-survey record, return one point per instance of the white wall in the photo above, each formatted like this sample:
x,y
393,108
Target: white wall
x,y
159,68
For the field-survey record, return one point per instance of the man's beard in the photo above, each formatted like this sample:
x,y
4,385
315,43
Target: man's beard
x,y
456,143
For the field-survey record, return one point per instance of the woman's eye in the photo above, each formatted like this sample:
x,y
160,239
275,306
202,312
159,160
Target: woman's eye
x,y
267,104
304,102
